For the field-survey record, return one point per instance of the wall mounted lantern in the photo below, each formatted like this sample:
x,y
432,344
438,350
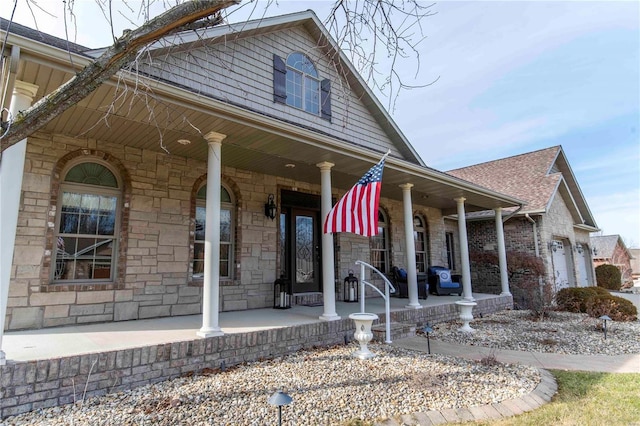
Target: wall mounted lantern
x,y
554,245
270,208
579,248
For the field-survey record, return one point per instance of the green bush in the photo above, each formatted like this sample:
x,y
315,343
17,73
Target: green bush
x,y
574,299
596,301
609,277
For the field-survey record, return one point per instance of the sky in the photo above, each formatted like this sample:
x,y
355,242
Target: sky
x,y
509,77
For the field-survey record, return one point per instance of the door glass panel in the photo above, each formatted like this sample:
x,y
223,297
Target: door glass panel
x,y
304,250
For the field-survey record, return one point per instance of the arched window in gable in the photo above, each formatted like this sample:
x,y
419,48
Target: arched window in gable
x,y
297,83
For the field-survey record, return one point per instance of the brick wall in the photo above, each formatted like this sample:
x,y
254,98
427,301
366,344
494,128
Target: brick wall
x,y
27,386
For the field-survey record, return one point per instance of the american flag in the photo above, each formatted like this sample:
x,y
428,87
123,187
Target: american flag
x,y
357,210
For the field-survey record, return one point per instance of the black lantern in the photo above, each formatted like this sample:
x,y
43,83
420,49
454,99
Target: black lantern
x,y
350,288
281,293
270,209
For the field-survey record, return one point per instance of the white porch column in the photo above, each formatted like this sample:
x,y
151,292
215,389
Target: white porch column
x,y
464,252
211,286
328,274
11,172
502,254
412,274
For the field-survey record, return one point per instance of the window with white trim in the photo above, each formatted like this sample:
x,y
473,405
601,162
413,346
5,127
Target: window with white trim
x,y
296,82
87,220
226,233
380,245
421,240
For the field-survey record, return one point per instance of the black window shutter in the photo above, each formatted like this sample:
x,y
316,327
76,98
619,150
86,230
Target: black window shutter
x,y
279,80
325,99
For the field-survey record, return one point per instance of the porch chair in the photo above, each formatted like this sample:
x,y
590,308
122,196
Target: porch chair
x,y
398,278
442,282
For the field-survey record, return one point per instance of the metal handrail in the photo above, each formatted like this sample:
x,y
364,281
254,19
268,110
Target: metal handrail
x,y
385,296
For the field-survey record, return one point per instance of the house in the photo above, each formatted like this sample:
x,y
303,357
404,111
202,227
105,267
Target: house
x,y
554,225
635,266
254,128
611,250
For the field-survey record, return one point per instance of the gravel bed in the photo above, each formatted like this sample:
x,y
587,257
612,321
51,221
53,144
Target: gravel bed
x,y
561,332
328,387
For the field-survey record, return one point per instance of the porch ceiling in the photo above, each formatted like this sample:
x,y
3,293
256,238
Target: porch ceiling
x,y
254,142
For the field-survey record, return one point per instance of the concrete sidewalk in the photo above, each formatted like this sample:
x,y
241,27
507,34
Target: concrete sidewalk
x,y
602,363
541,395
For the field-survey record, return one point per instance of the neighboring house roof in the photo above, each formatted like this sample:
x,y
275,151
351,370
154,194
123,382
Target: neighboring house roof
x,y
535,177
605,246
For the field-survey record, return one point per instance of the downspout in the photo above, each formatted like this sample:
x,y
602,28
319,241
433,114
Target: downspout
x,y
535,233
515,212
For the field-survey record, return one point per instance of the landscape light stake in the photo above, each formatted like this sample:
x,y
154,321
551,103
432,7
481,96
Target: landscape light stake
x,y
427,329
279,399
604,319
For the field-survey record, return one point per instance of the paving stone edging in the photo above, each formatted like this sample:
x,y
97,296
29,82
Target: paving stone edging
x,y
542,394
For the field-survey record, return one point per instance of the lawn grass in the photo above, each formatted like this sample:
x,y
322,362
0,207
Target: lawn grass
x,y
586,398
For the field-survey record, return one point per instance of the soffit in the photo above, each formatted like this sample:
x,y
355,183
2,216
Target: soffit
x,y
254,141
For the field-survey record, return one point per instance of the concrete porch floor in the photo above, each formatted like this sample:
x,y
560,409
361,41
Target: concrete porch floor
x,y
57,342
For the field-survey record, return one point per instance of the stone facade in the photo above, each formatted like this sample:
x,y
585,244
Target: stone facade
x,y
156,238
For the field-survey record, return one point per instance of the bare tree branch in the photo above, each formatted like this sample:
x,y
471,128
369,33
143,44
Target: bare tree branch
x,y
123,51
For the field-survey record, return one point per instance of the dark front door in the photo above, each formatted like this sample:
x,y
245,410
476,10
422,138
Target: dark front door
x,y
305,251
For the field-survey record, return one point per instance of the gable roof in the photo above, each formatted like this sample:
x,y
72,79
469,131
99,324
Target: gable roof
x,y
310,22
255,141
605,246
535,177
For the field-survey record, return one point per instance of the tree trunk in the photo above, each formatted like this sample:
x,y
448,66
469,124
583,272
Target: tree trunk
x,y
123,51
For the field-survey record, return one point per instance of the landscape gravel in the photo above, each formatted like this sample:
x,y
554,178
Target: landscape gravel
x,y
328,387
559,332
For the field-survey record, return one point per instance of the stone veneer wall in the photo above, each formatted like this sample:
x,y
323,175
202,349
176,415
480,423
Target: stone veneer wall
x,y
156,241
28,386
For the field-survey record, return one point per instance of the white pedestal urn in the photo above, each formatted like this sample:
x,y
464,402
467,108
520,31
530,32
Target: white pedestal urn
x,y
466,315
363,333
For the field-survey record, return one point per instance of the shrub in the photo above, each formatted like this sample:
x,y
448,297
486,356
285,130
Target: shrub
x,y
574,299
609,277
617,308
596,301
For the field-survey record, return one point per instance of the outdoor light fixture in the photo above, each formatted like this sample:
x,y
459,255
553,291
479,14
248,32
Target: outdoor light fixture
x,y
279,399
604,319
427,329
553,245
594,251
579,248
270,208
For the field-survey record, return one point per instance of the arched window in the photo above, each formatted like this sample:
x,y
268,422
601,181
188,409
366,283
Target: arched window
x,y
226,233
421,240
87,223
380,245
303,85
296,82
